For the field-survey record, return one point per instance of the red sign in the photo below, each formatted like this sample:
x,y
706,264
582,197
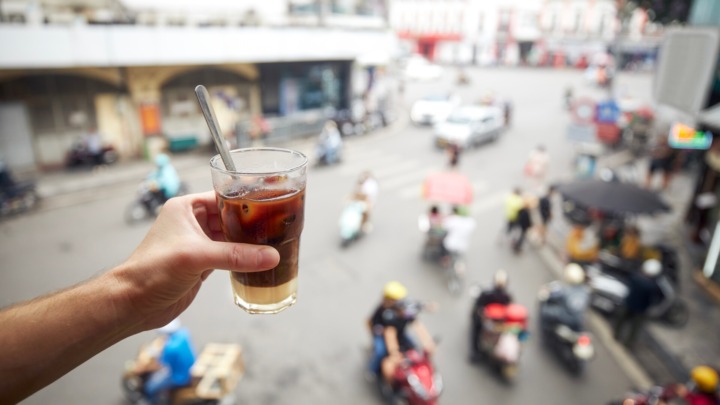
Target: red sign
x,y
150,119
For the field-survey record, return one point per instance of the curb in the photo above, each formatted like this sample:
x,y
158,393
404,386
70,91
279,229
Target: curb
x,y
65,183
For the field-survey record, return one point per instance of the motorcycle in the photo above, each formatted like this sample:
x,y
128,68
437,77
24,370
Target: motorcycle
x,y
415,382
351,222
500,341
79,155
147,204
609,292
452,264
328,155
569,341
18,197
654,396
215,374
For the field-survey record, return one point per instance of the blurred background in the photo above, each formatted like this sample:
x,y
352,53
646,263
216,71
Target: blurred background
x,y
526,93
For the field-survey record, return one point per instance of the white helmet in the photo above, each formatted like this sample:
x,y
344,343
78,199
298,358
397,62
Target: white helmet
x,y
500,279
171,327
651,267
574,274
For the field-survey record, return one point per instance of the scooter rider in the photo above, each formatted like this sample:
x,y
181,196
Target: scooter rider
x,y
172,363
496,295
704,390
571,299
459,228
395,333
393,292
329,144
165,182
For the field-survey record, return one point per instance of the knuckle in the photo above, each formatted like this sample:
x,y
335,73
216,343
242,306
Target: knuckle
x,y
240,256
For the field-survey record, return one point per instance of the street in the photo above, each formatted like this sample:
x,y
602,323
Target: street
x,y
315,352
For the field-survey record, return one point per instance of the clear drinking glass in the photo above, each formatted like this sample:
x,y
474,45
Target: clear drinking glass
x,y
262,202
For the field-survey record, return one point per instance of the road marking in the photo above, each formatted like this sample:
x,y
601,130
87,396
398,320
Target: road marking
x,y
489,202
352,166
411,177
395,169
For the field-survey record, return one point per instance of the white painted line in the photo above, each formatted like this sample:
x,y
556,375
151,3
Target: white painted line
x,y
352,166
411,192
397,168
408,178
488,202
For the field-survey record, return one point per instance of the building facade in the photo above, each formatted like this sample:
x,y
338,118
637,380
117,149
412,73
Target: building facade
x,y
129,69
512,32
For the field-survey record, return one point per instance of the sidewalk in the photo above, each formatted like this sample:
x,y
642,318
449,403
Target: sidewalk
x,y
665,354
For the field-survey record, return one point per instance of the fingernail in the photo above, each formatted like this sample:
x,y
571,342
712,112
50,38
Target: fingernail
x,y
268,257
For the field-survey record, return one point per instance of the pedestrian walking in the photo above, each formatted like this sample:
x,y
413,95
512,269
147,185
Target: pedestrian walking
x,y
453,150
524,223
513,204
545,210
643,291
535,168
663,159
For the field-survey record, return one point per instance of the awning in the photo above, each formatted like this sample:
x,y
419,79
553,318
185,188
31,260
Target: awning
x,y
710,117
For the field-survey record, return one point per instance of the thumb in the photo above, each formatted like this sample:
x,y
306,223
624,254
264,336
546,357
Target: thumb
x,y
242,257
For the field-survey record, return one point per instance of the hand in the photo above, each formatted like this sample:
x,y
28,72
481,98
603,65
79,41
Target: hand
x,y
181,249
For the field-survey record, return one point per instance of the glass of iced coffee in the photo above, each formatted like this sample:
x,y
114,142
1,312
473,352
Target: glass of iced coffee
x,y
262,202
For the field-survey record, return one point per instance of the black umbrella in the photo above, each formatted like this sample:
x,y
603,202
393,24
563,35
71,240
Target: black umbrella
x,y
612,197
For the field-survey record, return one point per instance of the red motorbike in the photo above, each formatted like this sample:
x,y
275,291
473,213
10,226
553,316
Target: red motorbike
x,y
654,396
80,156
415,381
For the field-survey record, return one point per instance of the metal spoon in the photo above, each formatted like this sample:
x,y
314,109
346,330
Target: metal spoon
x,y
204,99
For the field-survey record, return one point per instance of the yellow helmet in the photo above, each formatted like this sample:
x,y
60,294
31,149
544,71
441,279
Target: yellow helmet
x,y
705,378
394,291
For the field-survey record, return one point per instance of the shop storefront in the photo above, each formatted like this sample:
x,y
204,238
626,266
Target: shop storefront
x,y
55,110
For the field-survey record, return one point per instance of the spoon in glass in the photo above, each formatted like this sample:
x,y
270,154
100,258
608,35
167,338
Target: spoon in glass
x,y
204,99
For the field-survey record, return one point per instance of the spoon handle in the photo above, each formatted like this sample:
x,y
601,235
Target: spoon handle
x,y
204,99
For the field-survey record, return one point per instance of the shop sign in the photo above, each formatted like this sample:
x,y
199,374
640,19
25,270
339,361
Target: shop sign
x,y
686,137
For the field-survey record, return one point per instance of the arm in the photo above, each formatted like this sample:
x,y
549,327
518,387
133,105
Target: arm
x,y
49,336
427,341
391,340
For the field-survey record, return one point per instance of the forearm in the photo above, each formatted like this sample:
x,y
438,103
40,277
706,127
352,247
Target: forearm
x,y
426,340
45,338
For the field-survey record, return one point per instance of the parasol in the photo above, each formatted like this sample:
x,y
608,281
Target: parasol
x,y
448,187
613,197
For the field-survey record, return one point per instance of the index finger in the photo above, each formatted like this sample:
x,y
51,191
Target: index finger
x,y
206,199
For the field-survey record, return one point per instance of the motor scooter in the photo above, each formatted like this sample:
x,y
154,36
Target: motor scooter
x,y
79,155
451,264
214,376
416,382
656,395
609,292
569,340
147,204
351,222
327,154
500,341
17,197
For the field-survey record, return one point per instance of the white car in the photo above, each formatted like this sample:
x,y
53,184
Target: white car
x,y
419,68
433,109
470,126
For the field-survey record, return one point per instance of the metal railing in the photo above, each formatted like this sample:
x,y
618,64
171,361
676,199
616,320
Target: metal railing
x,y
282,129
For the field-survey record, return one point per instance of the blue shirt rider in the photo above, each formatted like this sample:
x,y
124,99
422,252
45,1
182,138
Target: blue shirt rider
x,y
165,177
177,358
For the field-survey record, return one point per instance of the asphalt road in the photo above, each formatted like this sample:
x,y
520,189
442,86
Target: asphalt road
x,y
314,353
